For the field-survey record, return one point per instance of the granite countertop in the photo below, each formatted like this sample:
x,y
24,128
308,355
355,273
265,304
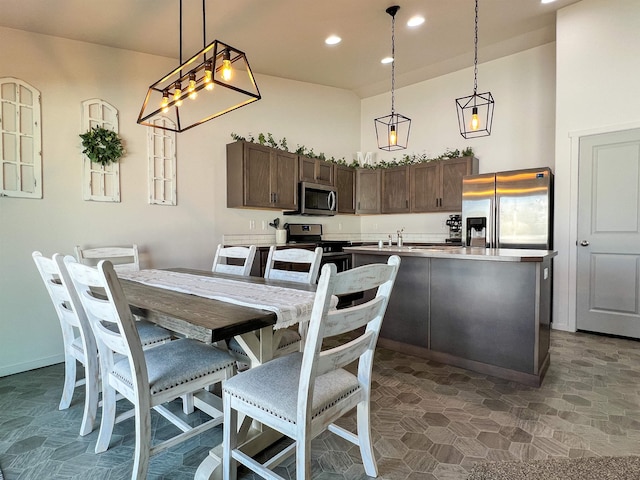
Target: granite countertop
x,y
459,253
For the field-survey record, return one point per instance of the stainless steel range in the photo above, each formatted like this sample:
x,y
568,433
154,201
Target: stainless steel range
x,y
310,234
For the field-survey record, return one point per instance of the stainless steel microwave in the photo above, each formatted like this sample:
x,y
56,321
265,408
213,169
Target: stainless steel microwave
x,y
316,200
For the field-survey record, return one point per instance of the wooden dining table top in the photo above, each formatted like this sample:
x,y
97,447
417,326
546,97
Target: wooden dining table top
x,y
223,319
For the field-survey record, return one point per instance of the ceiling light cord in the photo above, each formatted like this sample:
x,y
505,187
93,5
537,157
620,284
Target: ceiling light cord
x,y
475,60
393,62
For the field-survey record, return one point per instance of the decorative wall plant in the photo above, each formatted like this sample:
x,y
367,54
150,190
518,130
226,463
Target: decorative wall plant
x,y
102,145
406,159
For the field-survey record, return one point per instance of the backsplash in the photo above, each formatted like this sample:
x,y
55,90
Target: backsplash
x,y
270,239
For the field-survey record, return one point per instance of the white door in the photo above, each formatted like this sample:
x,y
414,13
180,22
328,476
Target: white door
x,y
608,264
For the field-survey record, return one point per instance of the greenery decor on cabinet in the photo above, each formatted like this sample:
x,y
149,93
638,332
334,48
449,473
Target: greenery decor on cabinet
x,y
406,159
102,145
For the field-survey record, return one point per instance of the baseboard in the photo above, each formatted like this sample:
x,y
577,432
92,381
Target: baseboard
x,y
31,365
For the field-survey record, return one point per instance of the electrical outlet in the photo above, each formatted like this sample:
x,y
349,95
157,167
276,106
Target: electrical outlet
x,y
264,224
252,224
340,226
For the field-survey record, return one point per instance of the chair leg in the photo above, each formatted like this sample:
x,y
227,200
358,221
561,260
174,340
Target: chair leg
x,y
91,374
229,440
364,439
69,381
187,404
143,441
108,416
303,458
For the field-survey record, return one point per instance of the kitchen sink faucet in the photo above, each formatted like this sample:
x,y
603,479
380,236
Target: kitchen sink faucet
x,y
400,237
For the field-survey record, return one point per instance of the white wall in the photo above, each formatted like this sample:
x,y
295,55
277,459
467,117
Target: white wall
x,y
523,86
67,72
598,50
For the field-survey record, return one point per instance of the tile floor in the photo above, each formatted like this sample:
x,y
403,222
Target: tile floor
x,y
430,421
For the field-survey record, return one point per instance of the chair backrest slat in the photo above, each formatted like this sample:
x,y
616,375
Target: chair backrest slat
x,y
124,259
297,256
244,253
346,320
342,355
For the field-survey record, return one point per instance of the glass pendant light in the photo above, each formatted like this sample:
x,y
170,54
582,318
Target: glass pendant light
x,y
392,131
475,112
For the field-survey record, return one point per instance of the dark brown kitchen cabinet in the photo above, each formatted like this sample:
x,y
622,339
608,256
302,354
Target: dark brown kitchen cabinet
x,y
261,177
395,190
345,178
315,170
368,191
437,186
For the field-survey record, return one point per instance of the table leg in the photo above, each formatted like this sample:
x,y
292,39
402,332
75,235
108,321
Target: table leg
x,y
253,437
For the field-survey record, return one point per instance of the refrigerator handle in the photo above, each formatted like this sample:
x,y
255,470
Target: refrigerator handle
x,y
495,224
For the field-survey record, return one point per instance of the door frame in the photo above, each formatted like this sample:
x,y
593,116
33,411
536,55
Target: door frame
x,y
572,290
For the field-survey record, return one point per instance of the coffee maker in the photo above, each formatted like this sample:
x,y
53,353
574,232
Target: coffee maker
x,y
455,229
476,232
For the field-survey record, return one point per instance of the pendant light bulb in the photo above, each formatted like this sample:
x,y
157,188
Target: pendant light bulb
x,y
226,66
165,102
177,93
192,86
475,123
208,75
393,137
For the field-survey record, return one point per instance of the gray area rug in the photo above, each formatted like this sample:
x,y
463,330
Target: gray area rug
x,y
591,468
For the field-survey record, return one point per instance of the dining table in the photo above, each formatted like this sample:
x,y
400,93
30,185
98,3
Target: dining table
x,y
211,316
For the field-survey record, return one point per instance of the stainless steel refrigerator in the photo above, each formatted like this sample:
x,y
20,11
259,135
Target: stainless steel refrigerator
x,y
511,209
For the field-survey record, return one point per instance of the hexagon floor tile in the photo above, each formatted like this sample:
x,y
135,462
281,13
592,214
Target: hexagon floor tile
x,y
429,421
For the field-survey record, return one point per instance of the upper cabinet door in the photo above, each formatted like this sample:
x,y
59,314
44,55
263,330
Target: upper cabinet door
x,y
452,173
425,187
346,188
315,170
284,179
368,191
395,190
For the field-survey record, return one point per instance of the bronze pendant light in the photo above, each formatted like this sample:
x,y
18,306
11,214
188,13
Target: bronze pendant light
x,y
214,81
475,112
392,131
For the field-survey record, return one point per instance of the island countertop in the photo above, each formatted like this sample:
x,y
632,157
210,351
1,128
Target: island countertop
x,y
463,253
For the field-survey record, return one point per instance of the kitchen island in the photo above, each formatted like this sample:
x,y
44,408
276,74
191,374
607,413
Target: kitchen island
x,y
486,310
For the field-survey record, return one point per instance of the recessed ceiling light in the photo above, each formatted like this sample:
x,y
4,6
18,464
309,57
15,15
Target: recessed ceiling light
x,y
386,60
415,21
333,40
547,1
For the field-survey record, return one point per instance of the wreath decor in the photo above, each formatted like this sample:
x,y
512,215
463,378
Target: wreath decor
x,y
102,145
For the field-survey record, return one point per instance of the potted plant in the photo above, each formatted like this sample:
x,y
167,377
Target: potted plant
x,y
102,145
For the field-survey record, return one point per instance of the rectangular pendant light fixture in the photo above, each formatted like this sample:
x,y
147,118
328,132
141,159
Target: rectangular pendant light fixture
x,y
214,81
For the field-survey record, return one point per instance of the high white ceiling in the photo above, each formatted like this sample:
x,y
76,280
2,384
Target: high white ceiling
x,y
285,38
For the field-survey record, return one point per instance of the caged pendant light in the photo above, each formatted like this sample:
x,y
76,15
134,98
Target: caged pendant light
x,y
214,81
392,131
475,112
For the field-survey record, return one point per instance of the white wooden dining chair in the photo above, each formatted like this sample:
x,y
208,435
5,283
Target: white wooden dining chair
x,y
78,341
302,394
124,259
286,340
295,258
247,254
147,378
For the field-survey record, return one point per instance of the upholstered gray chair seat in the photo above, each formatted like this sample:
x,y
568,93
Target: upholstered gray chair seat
x,y
289,337
149,332
273,387
165,364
